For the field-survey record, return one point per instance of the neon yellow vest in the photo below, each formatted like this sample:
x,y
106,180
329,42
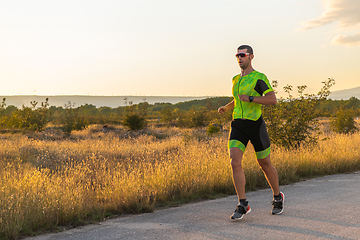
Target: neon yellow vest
x,y
254,84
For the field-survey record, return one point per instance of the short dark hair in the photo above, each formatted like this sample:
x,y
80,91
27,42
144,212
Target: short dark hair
x,y
247,47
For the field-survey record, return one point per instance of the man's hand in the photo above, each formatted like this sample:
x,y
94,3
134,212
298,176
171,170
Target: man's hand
x,y
222,110
227,107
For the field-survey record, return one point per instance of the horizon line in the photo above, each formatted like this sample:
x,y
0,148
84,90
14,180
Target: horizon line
x,y
81,95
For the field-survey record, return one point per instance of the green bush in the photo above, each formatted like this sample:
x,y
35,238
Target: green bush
x,y
134,121
30,118
71,120
182,119
213,128
192,118
292,121
344,122
166,114
199,118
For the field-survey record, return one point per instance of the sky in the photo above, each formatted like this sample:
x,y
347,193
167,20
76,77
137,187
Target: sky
x,y
174,48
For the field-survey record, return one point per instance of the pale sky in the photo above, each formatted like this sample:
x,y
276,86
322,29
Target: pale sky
x,y
173,48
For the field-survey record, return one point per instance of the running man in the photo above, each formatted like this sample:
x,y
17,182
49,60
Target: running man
x,y
250,90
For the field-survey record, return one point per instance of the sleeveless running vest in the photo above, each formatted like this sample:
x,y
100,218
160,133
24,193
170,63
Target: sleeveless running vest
x,y
254,84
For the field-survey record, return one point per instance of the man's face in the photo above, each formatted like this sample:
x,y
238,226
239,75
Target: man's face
x,y
244,60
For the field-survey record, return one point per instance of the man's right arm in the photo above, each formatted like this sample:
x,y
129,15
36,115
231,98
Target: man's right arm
x,y
227,107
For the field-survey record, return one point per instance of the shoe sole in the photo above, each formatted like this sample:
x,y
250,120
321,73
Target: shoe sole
x,y
283,203
237,219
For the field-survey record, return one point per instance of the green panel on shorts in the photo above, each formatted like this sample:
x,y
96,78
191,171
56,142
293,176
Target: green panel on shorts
x,y
263,154
236,143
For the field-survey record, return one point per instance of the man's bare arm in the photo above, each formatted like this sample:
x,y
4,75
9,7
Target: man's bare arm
x,y
227,107
268,99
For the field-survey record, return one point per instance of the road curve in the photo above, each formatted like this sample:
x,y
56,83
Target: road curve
x,y
321,208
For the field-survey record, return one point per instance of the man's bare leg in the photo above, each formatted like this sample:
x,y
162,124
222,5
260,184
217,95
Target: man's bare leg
x,y
270,174
243,207
236,156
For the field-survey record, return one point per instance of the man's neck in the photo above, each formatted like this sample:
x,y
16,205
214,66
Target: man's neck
x,y
246,71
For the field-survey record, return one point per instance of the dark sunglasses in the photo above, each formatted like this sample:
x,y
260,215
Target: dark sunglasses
x,y
242,55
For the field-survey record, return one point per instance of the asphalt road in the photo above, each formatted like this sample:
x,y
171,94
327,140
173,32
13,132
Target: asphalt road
x,y
322,208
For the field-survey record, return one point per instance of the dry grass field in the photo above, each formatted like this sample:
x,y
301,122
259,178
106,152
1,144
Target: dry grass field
x,y
48,182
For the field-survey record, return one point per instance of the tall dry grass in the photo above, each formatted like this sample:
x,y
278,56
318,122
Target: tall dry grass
x,y
47,184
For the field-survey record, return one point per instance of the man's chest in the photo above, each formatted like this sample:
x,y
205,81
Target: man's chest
x,y
245,85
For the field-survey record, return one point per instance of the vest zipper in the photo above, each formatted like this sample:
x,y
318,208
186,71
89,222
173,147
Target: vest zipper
x,y
242,109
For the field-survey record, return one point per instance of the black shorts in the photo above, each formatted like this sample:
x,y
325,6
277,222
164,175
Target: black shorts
x,y
244,130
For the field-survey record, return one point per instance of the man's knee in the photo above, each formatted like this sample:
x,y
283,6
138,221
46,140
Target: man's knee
x,y
265,163
235,157
235,164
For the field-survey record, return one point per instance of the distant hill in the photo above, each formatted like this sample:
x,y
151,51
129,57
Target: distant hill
x,y
120,101
98,101
345,94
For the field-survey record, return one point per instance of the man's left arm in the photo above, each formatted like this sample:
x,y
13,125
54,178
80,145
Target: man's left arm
x,y
268,99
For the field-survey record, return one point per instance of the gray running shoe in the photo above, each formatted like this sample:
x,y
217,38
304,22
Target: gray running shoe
x,y
278,205
240,211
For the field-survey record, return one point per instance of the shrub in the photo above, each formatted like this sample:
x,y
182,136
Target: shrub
x,y
199,118
71,119
213,128
30,118
343,122
143,108
292,122
134,121
182,119
167,114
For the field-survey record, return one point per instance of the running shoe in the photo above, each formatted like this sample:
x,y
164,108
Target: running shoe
x,y
278,205
240,211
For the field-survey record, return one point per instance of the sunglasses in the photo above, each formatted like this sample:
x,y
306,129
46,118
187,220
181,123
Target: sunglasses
x,y
242,55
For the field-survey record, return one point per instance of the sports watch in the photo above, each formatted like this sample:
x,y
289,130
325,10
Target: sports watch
x,y
251,98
